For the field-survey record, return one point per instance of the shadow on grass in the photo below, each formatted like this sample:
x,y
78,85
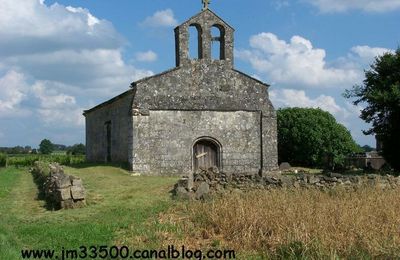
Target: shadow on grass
x,y
124,166
361,172
41,194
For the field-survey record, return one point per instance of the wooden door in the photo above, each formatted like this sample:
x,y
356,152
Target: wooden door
x,y
205,155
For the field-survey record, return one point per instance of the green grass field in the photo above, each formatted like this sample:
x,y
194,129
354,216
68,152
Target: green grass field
x,y
139,212
119,206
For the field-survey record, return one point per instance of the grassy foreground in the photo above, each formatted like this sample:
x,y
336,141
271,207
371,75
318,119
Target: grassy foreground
x,y
117,204
138,212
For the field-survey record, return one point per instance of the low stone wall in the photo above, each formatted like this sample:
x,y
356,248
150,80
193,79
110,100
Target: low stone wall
x,y
208,182
61,191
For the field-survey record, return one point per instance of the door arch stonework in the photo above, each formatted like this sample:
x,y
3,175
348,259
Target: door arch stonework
x,y
206,153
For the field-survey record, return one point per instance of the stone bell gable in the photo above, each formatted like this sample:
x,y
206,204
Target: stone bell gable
x,y
203,23
202,113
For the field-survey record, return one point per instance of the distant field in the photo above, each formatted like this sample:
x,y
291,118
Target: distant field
x,y
26,160
139,212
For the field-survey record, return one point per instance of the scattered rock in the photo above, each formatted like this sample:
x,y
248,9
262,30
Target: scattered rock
x,y
284,166
202,191
335,175
63,194
77,193
205,183
182,193
312,179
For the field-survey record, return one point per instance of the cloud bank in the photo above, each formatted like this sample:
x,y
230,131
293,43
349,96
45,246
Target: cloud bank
x,y
56,61
163,18
298,64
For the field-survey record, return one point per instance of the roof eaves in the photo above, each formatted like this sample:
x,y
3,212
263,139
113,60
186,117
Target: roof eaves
x,y
153,76
248,76
110,101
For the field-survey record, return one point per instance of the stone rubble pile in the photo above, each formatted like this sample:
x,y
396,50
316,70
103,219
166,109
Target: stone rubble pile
x,y
61,191
207,182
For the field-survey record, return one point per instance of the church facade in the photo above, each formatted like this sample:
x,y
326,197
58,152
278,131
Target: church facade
x,y
202,113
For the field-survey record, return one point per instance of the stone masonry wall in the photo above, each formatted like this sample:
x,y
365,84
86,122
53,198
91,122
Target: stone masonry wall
x,y
208,88
209,182
163,141
119,114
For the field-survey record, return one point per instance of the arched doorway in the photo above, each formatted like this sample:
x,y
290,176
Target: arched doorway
x,y
206,154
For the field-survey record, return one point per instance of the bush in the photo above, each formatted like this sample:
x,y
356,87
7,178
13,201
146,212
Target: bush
x,y
3,160
29,160
22,161
77,149
312,138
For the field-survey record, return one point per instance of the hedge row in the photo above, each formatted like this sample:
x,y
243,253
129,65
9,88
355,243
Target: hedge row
x,y
3,160
29,160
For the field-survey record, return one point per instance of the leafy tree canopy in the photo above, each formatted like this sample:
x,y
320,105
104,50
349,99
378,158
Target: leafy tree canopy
x,y
46,146
367,148
77,149
380,94
312,137
16,150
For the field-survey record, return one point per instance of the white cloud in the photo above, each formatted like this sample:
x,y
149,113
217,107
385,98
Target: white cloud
x,y
330,6
59,117
27,26
295,63
12,92
57,62
65,45
102,71
298,98
46,103
298,64
279,4
91,20
164,18
148,56
367,54
49,98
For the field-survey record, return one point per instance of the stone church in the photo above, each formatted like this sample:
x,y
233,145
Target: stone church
x,y
202,113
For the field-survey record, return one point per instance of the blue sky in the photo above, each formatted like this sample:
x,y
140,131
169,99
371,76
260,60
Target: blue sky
x,y
58,58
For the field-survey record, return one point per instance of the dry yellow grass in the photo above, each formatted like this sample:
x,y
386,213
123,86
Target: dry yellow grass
x,y
309,223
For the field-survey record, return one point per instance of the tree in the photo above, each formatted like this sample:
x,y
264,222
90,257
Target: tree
x,y
312,137
46,147
380,92
367,148
77,149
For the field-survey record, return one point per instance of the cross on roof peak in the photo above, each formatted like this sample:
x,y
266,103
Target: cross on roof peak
x,y
205,4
